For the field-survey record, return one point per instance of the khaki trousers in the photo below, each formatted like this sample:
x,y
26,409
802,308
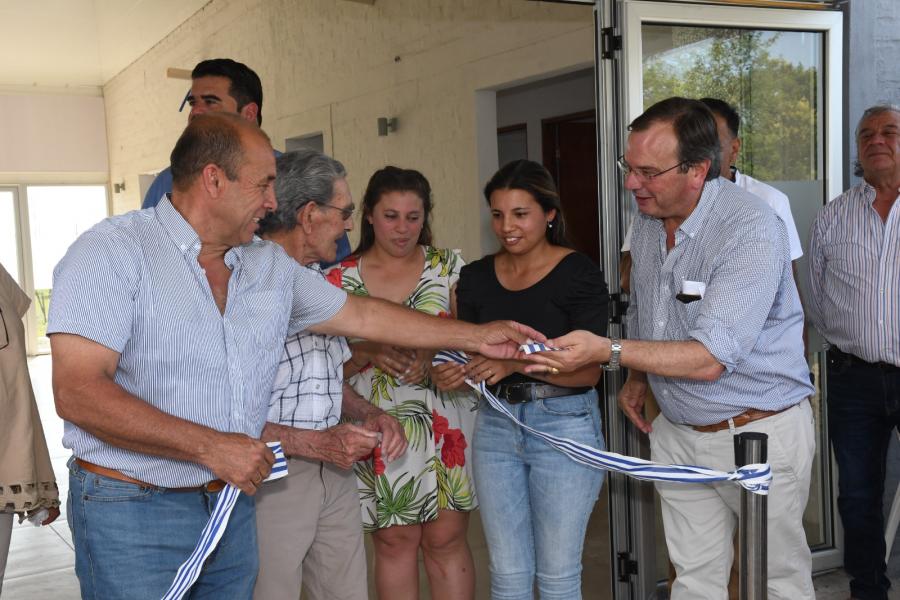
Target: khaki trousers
x,y
700,520
309,528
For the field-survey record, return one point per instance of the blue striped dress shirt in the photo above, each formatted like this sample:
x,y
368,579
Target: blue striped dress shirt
x,y
854,273
133,284
749,318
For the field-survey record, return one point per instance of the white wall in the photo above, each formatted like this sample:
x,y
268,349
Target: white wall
x,y
334,67
52,134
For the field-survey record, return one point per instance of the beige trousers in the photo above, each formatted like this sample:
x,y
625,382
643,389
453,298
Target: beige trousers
x,y
700,520
309,530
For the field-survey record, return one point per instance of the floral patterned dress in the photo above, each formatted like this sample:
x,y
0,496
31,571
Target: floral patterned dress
x,y
435,471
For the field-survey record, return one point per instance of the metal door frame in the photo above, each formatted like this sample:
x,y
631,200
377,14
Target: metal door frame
x,y
619,99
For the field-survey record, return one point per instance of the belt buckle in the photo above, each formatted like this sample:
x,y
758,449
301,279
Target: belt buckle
x,y
211,487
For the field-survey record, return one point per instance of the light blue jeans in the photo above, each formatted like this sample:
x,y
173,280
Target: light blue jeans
x,y
130,540
535,501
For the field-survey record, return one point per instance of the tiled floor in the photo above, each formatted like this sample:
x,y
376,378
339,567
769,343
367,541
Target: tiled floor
x,y
41,561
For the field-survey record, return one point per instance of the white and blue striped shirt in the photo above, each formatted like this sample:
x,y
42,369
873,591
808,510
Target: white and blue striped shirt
x,y
133,284
749,318
854,274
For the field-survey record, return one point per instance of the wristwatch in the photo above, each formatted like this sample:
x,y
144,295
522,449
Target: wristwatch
x,y
615,350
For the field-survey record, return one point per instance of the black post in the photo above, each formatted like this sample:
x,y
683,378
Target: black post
x,y
750,448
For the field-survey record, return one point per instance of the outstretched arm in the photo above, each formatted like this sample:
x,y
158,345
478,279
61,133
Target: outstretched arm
x,y
383,321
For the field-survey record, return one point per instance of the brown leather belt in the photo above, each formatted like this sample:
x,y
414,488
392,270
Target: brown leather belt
x,y
748,416
216,485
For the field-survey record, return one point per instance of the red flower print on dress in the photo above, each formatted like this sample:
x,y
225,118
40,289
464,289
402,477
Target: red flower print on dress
x,y
453,452
440,425
350,261
334,277
444,314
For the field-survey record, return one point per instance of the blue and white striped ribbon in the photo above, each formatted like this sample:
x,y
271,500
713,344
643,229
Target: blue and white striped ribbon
x,y
755,477
190,569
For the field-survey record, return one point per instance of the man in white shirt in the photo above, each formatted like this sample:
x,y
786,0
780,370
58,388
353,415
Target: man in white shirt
x,y
728,122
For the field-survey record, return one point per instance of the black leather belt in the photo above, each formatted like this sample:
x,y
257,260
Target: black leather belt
x,y
515,393
842,358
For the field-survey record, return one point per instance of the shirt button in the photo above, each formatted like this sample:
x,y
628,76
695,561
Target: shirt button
x,y
318,386
665,392
183,247
660,323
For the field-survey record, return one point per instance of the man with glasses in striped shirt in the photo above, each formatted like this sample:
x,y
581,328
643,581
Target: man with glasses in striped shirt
x,y
854,271
166,330
716,331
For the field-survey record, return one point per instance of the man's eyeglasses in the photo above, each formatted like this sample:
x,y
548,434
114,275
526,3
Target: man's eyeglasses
x,y
346,213
642,173
4,334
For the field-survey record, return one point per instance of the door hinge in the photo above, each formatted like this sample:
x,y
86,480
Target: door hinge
x,y
625,566
618,307
609,43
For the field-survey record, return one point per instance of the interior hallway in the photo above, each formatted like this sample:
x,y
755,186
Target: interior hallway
x,y
41,560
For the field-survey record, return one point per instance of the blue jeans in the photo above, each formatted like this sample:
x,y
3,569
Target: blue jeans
x,y
535,501
130,540
863,411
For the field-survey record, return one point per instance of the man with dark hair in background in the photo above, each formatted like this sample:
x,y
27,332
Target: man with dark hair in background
x,y
222,85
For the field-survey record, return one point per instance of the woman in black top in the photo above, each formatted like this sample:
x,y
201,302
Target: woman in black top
x,y
535,501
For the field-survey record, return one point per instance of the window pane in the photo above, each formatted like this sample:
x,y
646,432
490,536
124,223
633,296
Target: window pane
x,y
57,215
774,81
770,77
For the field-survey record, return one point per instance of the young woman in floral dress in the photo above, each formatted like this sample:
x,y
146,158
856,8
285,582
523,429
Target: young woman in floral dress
x,y
423,499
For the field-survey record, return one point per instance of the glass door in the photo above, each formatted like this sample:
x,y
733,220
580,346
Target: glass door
x,y
781,69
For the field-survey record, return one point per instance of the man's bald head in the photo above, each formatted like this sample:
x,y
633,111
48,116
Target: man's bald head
x,y
212,138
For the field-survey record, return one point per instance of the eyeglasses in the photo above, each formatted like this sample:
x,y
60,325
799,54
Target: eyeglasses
x,y
642,173
346,213
4,336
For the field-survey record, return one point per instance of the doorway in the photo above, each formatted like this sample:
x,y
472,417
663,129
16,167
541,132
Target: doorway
x,y
552,121
755,59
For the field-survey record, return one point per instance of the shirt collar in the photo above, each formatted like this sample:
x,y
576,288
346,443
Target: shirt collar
x,y
691,226
185,237
178,229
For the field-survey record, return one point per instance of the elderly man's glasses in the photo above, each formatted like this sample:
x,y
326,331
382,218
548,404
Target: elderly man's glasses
x,y
642,173
346,213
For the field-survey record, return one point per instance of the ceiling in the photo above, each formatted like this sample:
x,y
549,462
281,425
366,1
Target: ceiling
x,y
76,46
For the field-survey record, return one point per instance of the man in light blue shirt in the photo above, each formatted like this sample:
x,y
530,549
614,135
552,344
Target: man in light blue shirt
x,y
715,327
223,85
166,330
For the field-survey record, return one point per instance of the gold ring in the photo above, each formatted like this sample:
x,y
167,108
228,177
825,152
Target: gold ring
x,y
554,371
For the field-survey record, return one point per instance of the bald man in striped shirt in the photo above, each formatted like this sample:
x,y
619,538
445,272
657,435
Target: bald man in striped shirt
x,y
166,329
855,280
